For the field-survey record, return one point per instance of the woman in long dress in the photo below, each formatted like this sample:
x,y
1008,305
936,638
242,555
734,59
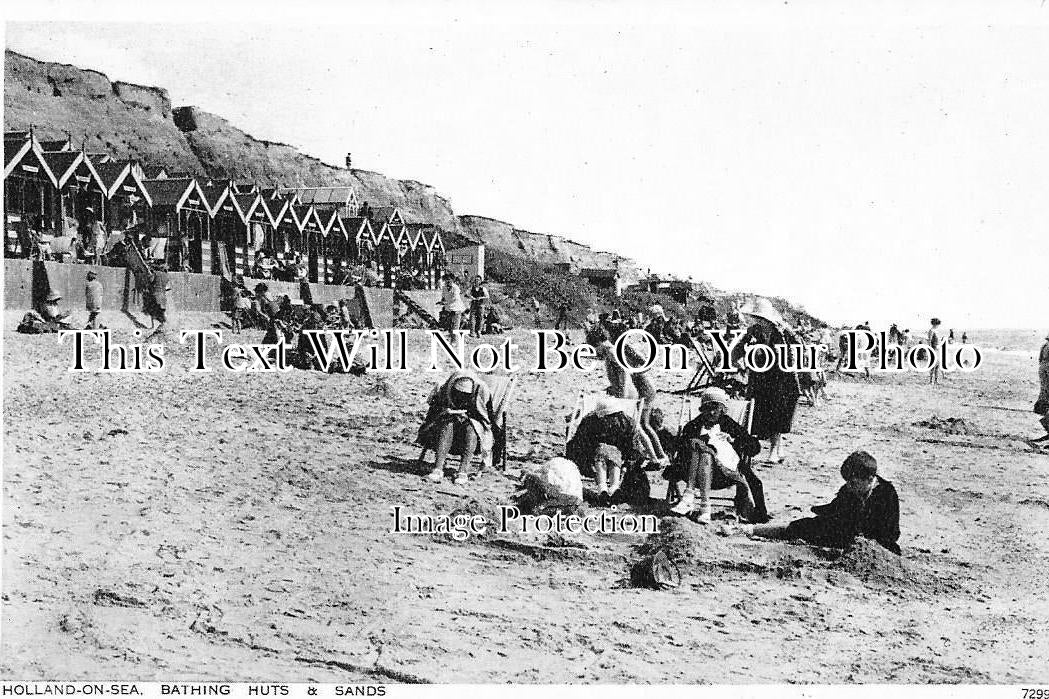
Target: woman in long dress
x,y
1042,405
775,392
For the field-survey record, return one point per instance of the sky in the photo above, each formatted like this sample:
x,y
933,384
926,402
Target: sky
x,y
887,164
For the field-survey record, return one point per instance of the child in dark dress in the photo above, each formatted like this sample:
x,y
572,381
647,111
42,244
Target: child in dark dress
x,y
867,506
666,437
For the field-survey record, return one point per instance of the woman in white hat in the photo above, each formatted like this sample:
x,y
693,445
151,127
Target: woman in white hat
x,y
1041,406
775,392
709,458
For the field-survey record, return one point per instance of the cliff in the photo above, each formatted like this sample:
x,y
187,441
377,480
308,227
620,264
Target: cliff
x,y
546,248
136,121
139,122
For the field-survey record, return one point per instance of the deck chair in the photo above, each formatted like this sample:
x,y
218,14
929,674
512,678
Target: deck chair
x,y
742,411
500,389
705,374
586,403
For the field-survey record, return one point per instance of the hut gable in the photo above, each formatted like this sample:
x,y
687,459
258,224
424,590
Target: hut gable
x,y
25,154
214,195
358,228
65,164
176,193
123,175
245,204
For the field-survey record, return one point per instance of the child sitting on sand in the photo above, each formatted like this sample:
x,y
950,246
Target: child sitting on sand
x,y
666,437
867,506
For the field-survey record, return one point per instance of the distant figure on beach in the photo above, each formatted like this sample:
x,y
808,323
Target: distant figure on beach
x,y
950,336
935,338
452,304
537,312
93,300
562,318
478,300
156,302
1041,406
867,506
965,338
775,392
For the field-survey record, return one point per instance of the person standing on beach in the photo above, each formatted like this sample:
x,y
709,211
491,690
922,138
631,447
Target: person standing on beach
x,y
452,304
93,300
775,392
935,337
562,318
478,300
157,297
1041,406
537,309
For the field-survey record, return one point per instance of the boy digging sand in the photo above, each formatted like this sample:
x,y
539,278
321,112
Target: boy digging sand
x,y
867,506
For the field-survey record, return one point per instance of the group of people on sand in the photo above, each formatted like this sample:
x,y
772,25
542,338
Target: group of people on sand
x,y
616,447
50,317
468,304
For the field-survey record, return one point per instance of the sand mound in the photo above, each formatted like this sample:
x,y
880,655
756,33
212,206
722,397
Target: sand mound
x,y
950,425
871,562
697,549
459,518
689,544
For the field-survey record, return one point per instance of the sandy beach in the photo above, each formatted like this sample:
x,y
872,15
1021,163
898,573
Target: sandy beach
x,y
237,527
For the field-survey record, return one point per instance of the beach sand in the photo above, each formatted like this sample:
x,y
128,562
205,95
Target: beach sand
x,y
229,526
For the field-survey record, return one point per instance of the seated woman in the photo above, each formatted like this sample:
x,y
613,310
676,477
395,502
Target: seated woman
x,y
708,458
458,422
867,506
604,441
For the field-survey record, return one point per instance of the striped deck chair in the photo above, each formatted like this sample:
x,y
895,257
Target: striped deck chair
x,y
586,402
501,388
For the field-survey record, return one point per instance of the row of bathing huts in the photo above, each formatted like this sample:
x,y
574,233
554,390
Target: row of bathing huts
x,y
211,225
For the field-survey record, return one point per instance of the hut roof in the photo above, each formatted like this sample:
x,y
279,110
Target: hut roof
x,y
324,196
54,146
174,192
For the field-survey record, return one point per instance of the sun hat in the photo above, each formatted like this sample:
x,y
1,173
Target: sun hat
x,y
714,395
657,310
463,384
562,477
762,308
54,296
91,275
